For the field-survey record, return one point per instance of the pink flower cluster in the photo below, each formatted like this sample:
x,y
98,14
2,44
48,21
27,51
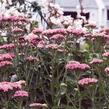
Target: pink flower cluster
x,y
9,86
17,30
37,31
76,32
90,25
106,54
5,64
33,39
5,59
41,44
96,61
13,19
51,32
87,81
21,93
6,56
74,65
107,70
7,46
57,37
52,46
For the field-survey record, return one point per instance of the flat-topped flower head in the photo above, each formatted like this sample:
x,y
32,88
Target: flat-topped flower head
x,y
76,32
9,86
57,37
33,39
41,44
96,61
7,46
17,30
52,46
13,19
107,70
75,65
106,54
51,32
6,57
21,93
5,64
87,81
37,31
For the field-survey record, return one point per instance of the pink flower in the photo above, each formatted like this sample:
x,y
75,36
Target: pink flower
x,y
107,70
90,25
21,93
17,30
33,39
7,46
96,61
76,32
9,86
6,56
87,81
51,32
37,31
13,19
5,87
5,64
98,35
106,54
74,65
41,44
57,37
52,46
105,30
38,105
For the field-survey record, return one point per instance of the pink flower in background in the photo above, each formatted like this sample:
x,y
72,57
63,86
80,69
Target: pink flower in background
x,y
51,32
106,54
33,39
5,64
13,19
17,30
84,67
91,25
41,44
37,31
96,61
57,37
21,93
107,70
74,65
52,46
76,32
7,46
87,81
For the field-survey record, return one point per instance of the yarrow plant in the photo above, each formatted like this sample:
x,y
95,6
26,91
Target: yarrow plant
x,y
53,68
